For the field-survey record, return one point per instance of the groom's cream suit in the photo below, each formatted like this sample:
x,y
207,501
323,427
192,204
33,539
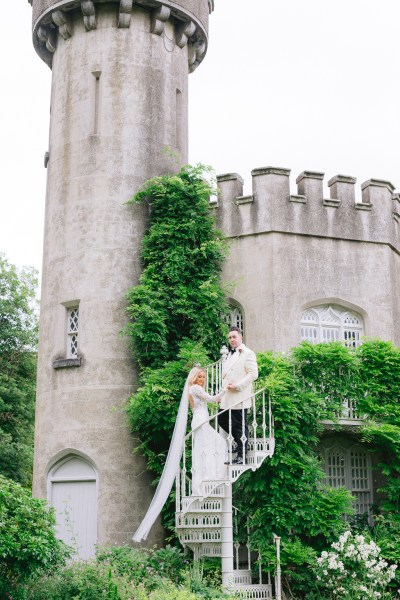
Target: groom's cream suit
x,y
241,369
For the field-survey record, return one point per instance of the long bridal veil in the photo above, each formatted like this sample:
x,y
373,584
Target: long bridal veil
x,y
170,468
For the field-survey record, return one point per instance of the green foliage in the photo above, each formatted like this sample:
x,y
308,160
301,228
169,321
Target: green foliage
x,y
28,545
83,581
153,408
146,566
124,573
380,402
18,337
179,295
286,496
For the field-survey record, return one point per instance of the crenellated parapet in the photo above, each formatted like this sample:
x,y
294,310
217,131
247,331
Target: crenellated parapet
x,y
273,208
54,18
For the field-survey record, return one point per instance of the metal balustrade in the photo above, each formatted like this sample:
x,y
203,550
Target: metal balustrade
x,y
204,523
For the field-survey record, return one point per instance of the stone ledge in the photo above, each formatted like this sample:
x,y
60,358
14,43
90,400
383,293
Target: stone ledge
x,y
298,198
342,179
333,202
244,199
270,171
363,206
310,175
378,183
65,363
230,177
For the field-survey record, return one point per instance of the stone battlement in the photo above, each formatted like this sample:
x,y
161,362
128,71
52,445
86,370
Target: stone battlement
x,y
54,18
272,207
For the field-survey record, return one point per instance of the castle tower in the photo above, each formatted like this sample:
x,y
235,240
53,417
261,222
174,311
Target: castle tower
x,y
119,97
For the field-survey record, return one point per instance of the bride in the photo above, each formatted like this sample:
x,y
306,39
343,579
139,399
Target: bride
x,y
209,451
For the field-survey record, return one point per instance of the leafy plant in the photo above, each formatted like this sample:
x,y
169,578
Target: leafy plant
x,y
28,544
18,338
353,568
179,295
83,581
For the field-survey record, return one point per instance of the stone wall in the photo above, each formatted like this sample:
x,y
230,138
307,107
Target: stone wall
x,y
119,97
289,252
189,19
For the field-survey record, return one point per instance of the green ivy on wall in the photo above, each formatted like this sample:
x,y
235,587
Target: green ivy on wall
x,y
177,319
179,295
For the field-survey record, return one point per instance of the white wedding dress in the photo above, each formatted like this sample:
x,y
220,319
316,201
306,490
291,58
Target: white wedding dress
x,y
210,449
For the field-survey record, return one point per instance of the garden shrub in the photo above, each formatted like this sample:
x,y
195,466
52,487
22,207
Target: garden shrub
x,y
124,573
147,566
28,544
354,568
83,581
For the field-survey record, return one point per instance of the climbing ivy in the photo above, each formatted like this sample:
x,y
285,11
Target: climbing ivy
x,y
179,295
177,312
287,496
176,315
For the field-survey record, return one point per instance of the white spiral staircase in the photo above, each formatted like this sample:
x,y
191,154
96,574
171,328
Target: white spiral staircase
x,y
205,523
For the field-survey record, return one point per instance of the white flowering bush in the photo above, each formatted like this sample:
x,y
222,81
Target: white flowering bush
x,y
354,569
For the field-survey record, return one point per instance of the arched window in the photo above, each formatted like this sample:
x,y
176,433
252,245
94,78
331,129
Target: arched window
x,y
72,490
330,322
349,465
236,316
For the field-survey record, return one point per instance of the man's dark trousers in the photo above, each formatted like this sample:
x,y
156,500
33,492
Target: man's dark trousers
x,y
237,429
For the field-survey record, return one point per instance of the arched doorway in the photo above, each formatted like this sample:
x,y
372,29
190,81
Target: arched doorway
x,y
72,491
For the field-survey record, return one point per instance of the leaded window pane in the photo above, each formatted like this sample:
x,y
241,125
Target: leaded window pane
x,y
351,469
351,338
72,332
327,323
236,318
335,469
309,334
329,334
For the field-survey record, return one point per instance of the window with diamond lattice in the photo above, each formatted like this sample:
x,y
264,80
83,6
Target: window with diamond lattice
x,y
328,323
72,331
351,468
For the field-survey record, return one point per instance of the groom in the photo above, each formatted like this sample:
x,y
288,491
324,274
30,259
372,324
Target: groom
x,y
238,373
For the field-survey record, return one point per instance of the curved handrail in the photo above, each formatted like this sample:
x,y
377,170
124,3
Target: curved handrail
x,y
216,415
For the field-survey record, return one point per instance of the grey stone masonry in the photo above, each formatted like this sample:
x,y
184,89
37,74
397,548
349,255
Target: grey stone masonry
x,y
274,208
189,19
119,98
290,251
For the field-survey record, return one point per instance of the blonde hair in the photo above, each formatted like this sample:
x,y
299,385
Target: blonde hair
x,y
194,373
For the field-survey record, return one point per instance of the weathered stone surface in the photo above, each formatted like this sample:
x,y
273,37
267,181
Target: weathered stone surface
x,y
114,109
190,19
292,251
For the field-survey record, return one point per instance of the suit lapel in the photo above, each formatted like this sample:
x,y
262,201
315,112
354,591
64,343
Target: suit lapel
x,y
233,360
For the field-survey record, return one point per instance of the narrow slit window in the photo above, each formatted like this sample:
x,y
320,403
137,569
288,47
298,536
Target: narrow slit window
x,y
96,108
178,119
72,332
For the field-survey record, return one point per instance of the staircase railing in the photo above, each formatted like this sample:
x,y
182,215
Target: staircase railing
x,y
243,575
259,443
214,373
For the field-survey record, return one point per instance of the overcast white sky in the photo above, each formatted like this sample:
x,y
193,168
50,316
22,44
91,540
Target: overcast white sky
x,y
303,84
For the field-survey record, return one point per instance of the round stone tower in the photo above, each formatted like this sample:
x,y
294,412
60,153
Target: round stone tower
x,y
119,99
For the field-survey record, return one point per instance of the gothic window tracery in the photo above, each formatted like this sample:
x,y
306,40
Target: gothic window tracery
x,y
236,317
328,323
350,467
